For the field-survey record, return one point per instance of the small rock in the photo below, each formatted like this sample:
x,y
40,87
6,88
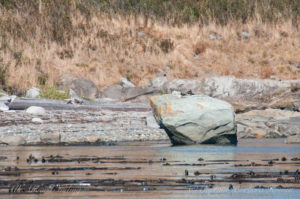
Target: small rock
x,y
245,35
74,98
13,140
212,36
3,107
295,139
33,92
158,83
176,94
73,94
50,138
36,110
72,140
126,83
91,139
141,34
37,120
12,98
137,123
273,77
4,97
257,132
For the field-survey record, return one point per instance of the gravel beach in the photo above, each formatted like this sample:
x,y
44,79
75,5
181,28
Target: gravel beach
x,y
77,127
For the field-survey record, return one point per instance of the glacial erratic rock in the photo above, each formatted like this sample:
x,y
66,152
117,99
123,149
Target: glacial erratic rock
x,y
195,119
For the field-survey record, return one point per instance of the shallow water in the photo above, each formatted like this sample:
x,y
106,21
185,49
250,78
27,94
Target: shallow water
x,y
254,168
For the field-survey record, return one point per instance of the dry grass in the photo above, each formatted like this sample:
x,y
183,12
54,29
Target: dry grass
x,y
106,48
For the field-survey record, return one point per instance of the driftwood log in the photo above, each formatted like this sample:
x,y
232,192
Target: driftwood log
x,y
24,103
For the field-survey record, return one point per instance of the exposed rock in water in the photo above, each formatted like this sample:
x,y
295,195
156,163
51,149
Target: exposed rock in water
x,y
195,119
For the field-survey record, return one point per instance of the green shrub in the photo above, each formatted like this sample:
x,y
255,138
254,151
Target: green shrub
x,y
42,79
54,93
2,73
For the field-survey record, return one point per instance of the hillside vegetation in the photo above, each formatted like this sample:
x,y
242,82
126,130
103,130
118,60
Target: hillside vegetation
x,y
46,42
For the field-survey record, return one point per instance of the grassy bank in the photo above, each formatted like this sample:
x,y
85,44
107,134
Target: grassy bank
x,y
47,42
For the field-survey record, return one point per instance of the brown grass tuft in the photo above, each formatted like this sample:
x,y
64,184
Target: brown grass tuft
x,y
200,47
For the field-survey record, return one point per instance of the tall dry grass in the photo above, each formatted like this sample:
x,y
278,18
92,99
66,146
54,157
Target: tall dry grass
x,y
44,43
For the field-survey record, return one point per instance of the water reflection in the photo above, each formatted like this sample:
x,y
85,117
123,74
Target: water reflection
x,y
158,169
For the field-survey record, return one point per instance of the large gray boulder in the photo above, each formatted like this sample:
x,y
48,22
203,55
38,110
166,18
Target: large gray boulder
x,y
83,87
195,119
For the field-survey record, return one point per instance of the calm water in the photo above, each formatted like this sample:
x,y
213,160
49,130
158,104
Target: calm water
x,y
253,168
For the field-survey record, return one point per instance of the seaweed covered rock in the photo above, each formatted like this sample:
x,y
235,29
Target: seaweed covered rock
x,y
195,119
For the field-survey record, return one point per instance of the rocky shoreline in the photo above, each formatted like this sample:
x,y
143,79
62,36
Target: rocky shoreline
x,y
264,109
73,127
67,127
